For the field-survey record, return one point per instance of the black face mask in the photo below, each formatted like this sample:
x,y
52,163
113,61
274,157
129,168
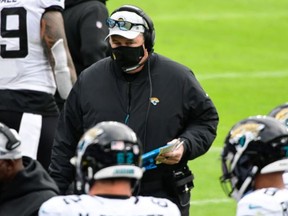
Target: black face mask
x,y
128,58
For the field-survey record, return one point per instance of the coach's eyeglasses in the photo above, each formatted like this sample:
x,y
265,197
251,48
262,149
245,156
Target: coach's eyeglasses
x,y
122,25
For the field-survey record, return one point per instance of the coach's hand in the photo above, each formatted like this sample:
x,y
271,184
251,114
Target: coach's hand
x,y
174,156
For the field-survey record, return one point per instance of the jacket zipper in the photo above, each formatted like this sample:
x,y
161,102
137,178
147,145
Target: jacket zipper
x,y
129,104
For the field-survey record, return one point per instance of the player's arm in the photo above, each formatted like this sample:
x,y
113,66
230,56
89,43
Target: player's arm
x,y
55,45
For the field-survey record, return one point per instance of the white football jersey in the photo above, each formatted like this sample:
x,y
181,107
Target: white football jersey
x,y
22,60
87,205
268,202
285,179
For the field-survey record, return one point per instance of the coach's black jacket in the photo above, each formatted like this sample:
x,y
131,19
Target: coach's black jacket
x,y
180,108
24,195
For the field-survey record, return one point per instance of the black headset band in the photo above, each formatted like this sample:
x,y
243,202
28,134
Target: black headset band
x,y
150,32
137,11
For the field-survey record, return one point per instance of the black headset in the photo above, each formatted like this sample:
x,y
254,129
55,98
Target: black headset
x,y
13,142
149,34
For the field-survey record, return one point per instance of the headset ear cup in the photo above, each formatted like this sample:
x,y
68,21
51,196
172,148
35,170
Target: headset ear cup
x,y
152,39
147,41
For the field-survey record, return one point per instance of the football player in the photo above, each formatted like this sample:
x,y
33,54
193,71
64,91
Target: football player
x,y
108,168
254,159
280,112
34,59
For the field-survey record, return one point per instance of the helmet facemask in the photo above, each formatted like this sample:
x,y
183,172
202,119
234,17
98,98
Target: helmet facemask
x,y
251,145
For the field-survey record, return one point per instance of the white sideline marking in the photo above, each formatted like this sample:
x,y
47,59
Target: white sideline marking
x,y
215,149
210,201
264,74
210,16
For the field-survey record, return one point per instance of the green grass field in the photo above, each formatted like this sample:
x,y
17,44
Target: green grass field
x,y
238,50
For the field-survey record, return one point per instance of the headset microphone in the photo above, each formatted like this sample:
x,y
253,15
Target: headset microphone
x,y
128,69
